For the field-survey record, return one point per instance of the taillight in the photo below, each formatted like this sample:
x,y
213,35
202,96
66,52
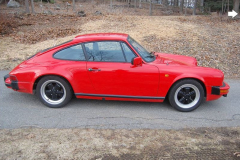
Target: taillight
x,y
13,78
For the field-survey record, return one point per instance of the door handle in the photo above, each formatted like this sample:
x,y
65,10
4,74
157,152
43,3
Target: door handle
x,y
97,70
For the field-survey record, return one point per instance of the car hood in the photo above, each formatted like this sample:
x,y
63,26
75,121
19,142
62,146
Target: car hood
x,y
172,59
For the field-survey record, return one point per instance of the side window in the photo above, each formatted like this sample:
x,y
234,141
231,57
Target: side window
x,y
71,53
128,52
105,51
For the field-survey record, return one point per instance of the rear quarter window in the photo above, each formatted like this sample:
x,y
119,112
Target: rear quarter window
x,y
71,53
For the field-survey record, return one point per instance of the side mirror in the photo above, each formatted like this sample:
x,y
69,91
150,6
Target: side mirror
x,y
137,61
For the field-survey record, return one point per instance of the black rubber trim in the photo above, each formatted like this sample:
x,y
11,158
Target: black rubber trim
x,y
32,56
118,96
14,85
8,85
5,77
215,90
224,84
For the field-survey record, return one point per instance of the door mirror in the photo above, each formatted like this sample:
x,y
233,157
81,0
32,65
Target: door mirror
x,y
137,61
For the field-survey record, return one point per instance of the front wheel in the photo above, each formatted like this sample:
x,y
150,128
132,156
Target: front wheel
x,y
54,91
186,95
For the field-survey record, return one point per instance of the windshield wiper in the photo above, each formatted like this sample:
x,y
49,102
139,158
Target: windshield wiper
x,y
153,53
149,56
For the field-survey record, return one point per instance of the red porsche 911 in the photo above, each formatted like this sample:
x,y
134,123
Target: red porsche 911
x,y
112,66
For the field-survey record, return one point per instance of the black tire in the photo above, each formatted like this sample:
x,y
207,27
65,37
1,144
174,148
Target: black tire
x,y
54,91
186,95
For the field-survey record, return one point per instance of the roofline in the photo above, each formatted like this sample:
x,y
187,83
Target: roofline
x,y
102,35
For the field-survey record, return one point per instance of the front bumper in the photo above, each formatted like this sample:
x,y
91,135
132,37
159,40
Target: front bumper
x,y
10,84
223,90
216,92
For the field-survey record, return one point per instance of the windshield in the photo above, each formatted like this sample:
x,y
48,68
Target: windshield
x,y
148,57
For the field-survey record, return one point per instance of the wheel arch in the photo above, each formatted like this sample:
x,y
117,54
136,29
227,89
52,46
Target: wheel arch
x,y
186,78
40,77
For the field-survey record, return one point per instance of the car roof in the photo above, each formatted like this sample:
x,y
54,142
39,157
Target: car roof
x,y
101,36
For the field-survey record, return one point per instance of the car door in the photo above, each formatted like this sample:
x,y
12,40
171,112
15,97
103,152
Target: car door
x,y
111,72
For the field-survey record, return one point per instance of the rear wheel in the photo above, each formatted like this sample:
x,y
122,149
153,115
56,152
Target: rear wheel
x,y
186,95
54,91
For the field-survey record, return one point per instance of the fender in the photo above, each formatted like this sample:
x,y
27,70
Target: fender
x,y
167,81
189,76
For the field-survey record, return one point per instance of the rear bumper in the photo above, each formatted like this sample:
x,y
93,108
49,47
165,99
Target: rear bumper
x,y
10,84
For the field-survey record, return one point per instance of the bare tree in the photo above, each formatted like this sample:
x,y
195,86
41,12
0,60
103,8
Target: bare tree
x,y
222,7
32,5
236,5
181,6
74,5
175,3
27,6
135,5
140,3
111,4
202,3
165,2
228,6
150,8
194,7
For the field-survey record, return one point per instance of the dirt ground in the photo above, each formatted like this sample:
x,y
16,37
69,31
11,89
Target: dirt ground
x,y
201,143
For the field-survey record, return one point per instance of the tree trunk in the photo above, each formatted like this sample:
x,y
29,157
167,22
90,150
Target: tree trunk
x,y
185,13
150,8
175,3
165,2
27,6
111,4
228,6
135,5
236,5
140,3
32,5
202,8
181,6
194,7
74,5
222,7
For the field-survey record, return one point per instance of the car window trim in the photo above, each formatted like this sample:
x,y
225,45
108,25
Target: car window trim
x,y
69,47
123,52
104,41
129,48
144,60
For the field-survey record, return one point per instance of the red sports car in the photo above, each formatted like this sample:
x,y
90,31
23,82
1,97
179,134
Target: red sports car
x,y
112,66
